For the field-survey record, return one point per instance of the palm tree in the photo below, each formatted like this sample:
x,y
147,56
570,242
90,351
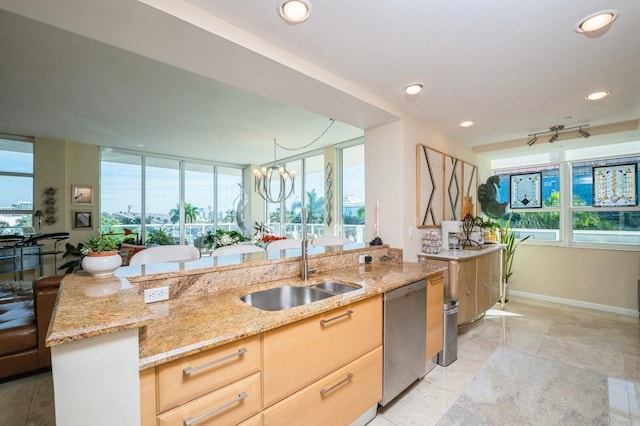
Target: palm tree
x,y
190,213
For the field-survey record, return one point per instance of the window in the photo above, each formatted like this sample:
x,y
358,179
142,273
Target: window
x,y
613,225
180,200
16,181
573,211
541,223
352,191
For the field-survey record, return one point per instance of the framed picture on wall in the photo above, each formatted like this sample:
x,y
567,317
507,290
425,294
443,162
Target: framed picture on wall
x,y
82,220
81,195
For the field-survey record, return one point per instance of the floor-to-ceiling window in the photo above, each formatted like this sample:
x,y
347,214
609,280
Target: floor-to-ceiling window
x,y
347,196
16,181
180,200
351,159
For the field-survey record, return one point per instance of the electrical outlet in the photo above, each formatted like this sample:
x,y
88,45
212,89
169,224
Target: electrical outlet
x,y
363,258
157,294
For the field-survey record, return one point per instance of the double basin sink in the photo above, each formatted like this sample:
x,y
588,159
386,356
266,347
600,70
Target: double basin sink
x,y
280,298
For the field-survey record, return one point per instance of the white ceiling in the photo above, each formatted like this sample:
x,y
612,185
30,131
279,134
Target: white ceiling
x,y
165,74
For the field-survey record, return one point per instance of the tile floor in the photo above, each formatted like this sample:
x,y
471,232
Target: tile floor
x,y
534,363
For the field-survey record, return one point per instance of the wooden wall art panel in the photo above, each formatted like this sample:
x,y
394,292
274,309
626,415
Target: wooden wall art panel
x,y
430,186
443,182
452,188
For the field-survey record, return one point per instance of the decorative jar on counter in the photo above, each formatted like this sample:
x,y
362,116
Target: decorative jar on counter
x,y
431,242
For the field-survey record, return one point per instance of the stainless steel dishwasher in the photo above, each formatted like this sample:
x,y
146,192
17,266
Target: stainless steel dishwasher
x,y
404,338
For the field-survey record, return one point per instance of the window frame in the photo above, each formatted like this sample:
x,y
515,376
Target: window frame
x,y
566,209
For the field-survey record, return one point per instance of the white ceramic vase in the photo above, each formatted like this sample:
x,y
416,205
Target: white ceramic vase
x,y
101,264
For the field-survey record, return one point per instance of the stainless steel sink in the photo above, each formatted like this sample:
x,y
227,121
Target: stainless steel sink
x,y
279,298
336,287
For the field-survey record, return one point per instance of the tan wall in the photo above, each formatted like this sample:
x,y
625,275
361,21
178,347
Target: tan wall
x,y
604,277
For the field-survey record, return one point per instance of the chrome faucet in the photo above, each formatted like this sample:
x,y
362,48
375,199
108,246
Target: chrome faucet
x,y
305,248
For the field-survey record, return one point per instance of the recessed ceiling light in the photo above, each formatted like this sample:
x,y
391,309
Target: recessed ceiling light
x,y
596,21
413,88
294,11
597,95
466,124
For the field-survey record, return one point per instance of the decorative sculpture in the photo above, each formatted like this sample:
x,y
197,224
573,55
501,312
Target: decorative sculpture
x,y
488,198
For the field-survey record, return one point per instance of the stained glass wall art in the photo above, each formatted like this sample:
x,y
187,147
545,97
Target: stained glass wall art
x,y
526,191
615,185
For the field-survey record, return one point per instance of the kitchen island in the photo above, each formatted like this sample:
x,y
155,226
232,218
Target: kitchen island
x,y
105,319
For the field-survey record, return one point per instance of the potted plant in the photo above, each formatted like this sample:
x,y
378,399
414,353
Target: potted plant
x,y
158,238
223,238
100,256
508,238
488,227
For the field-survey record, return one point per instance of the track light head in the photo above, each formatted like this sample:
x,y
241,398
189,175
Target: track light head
x,y
533,140
583,133
553,138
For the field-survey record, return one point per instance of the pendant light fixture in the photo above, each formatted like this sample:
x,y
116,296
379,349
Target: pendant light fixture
x,y
274,183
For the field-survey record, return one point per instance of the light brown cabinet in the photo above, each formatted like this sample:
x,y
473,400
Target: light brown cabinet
x,y
339,398
299,354
320,370
476,281
223,385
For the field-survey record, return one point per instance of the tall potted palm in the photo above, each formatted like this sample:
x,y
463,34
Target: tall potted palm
x,y
508,238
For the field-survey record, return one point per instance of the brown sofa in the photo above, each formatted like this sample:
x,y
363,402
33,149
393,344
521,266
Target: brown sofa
x,y
23,329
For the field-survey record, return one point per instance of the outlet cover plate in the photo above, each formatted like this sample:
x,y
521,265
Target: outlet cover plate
x,y
157,294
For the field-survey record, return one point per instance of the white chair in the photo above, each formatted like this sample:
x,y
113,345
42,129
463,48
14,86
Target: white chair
x,y
284,244
171,253
237,249
331,240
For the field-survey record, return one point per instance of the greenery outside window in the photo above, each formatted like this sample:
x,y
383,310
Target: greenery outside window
x,y
180,200
543,224
604,225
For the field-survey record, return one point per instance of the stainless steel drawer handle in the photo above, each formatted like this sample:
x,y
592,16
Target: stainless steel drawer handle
x,y
190,370
324,392
346,314
189,420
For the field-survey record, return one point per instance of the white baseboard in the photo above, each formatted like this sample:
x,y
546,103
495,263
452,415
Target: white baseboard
x,y
578,303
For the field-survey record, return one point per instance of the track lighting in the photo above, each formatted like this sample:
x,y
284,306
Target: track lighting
x,y
583,133
556,131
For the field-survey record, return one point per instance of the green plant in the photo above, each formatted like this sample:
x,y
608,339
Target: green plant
x,y
223,238
76,255
158,237
508,238
100,244
480,222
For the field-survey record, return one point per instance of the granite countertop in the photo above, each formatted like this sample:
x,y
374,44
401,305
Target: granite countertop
x,y
463,254
179,327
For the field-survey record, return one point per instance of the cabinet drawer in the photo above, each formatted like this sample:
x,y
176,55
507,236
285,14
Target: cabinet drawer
x,y
218,367
227,406
301,353
253,421
337,399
